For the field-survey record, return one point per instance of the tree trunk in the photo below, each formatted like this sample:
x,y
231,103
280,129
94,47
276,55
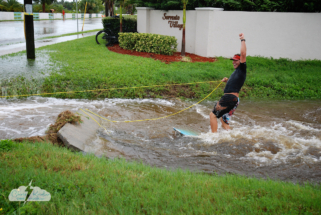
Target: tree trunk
x,y
106,8
111,8
183,43
121,20
183,37
44,7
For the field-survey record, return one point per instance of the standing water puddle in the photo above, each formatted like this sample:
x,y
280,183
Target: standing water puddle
x,y
276,139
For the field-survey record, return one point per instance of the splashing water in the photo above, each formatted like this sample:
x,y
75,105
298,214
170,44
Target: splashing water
x,y
281,139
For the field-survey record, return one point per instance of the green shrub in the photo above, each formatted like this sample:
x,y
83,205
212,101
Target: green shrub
x,y
6,145
152,43
129,23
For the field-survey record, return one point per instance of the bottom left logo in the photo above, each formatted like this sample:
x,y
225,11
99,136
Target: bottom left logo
x,y
21,194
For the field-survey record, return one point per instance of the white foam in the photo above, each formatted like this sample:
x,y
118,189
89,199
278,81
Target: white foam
x,y
36,111
300,125
203,111
290,142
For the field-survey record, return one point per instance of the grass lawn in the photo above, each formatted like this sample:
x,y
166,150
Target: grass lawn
x,y
84,65
81,184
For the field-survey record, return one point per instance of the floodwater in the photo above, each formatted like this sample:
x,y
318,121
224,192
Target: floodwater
x,y
17,47
19,65
17,72
12,38
275,139
13,32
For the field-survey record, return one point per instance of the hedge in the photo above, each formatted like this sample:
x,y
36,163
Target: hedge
x,y
128,23
144,42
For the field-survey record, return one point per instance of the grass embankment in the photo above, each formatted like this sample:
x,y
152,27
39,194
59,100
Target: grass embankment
x,y
81,184
88,66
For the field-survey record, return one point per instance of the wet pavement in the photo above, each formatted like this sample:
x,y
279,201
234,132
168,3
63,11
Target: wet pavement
x,y
13,48
278,139
12,33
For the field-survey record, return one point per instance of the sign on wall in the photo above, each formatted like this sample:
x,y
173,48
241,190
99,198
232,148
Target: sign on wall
x,y
172,21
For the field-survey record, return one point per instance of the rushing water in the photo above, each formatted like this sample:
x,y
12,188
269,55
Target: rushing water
x,y
276,139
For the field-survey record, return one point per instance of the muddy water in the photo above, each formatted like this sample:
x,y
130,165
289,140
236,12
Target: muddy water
x,y
276,139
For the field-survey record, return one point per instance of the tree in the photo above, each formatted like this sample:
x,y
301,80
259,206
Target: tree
x,y
68,5
184,21
3,5
121,4
13,5
110,5
129,6
93,6
105,2
44,2
174,4
237,5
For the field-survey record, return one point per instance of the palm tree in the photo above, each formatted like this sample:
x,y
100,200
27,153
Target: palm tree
x,y
13,5
109,7
129,6
106,7
3,5
184,21
121,3
44,2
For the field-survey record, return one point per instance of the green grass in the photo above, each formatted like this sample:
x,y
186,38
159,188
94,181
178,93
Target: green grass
x,y
81,184
63,35
88,66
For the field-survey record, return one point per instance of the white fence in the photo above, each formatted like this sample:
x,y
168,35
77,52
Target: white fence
x,y
212,32
13,15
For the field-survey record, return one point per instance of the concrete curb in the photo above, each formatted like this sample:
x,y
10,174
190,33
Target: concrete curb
x,y
77,136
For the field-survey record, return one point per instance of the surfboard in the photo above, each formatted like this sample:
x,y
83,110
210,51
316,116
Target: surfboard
x,y
185,132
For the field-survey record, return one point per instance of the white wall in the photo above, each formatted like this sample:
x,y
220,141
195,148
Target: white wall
x,y
43,16
278,35
10,15
211,32
162,27
6,16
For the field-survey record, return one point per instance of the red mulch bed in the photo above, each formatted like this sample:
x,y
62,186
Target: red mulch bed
x,y
176,57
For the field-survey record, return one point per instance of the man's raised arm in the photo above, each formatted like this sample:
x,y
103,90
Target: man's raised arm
x,y
243,48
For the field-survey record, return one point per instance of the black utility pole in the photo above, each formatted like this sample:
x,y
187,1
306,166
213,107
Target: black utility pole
x,y
30,38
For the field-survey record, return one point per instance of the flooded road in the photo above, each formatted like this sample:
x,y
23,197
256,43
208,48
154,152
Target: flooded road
x,y
13,32
276,139
12,38
17,47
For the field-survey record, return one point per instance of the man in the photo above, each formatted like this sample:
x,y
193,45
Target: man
x,y
230,100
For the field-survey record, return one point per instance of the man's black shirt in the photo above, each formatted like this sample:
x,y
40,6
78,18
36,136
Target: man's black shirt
x,y
236,80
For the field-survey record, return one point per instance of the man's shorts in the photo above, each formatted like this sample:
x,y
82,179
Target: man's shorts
x,y
228,103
